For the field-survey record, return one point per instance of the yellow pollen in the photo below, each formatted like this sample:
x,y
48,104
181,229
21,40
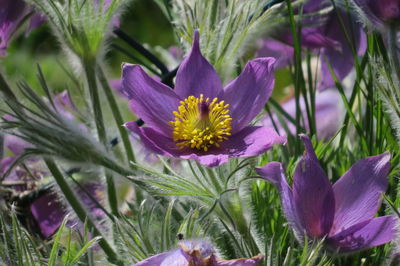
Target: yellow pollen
x,y
201,124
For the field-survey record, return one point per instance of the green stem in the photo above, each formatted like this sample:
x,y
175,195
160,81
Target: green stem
x,y
117,115
90,71
80,211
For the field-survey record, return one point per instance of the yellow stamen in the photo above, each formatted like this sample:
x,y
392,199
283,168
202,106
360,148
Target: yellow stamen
x,y
201,124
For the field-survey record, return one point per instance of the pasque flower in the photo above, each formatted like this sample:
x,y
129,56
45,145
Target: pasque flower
x,y
199,119
343,213
334,37
195,252
380,13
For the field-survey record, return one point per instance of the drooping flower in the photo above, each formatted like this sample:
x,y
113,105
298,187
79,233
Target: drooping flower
x,y
328,114
12,15
199,119
195,252
333,36
343,213
379,13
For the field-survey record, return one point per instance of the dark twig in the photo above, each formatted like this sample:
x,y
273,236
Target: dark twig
x,y
142,50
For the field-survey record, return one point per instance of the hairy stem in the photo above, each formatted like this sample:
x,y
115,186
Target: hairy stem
x,y
117,115
90,71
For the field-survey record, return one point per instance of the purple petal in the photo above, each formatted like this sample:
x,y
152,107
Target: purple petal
x,y
64,105
174,257
358,192
365,235
15,144
12,13
149,99
380,12
251,141
248,93
309,153
196,75
5,164
282,52
314,5
274,173
313,194
341,60
312,38
48,213
35,21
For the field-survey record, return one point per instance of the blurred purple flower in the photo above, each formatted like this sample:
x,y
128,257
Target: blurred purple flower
x,y
12,16
47,210
199,119
380,12
345,212
195,252
328,114
327,37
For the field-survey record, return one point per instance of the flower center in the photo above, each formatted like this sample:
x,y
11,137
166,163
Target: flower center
x,y
200,123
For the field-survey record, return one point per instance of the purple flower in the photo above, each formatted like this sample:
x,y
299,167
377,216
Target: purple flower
x,y
380,13
344,212
195,252
199,119
328,114
328,39
12,15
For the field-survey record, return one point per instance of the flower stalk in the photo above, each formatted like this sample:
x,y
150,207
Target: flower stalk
x,y
117,114
89,66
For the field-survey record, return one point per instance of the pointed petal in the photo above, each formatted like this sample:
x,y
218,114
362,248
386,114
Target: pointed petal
x,y
309,153
248,93
274,173
365,235
358,192
313,194
251,141
149,99
196,75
